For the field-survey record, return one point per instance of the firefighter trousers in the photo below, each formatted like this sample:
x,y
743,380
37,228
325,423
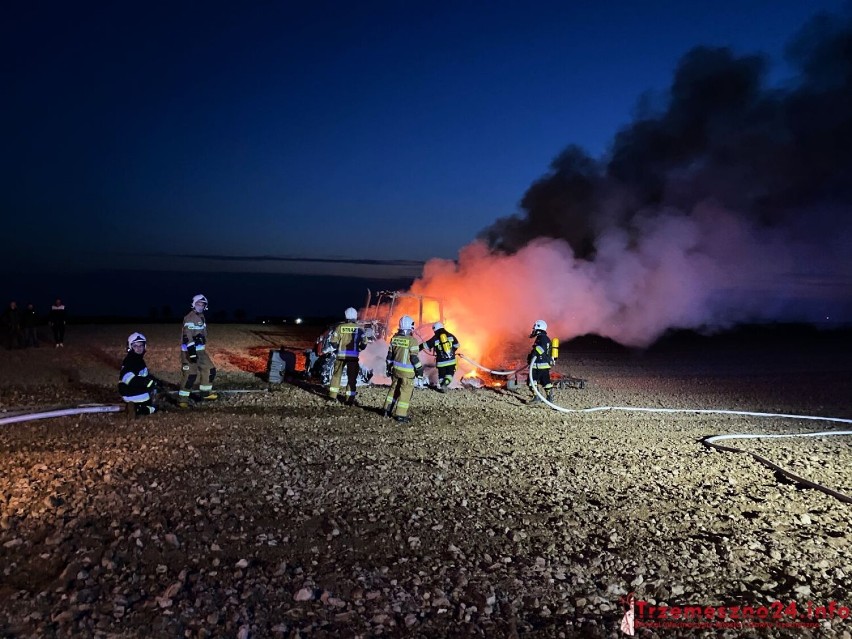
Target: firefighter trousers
x,y
399,395
352,369
201,372
445,374
541,376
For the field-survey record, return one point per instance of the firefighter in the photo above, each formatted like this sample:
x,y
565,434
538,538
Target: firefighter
x,y
541,360
196,365
348,340
444,344
403,366
135,382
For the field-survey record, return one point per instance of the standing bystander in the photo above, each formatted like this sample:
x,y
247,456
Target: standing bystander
x,y
57,320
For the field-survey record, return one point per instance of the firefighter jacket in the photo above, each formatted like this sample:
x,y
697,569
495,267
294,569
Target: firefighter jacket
x,y
445,345
194,337
133,379
348,340
541,355
402,358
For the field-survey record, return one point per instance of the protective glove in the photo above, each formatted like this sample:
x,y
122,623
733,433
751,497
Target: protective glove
x,y
389,369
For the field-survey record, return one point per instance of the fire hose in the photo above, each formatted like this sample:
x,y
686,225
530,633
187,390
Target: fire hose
x,y
710,442
77,410
493,372
26,415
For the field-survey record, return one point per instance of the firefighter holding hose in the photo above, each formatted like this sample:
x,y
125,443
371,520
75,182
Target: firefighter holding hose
x,y
403,366
541,360
136,384
444,345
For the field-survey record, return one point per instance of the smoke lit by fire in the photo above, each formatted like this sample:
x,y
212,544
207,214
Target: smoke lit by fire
x,y
729,203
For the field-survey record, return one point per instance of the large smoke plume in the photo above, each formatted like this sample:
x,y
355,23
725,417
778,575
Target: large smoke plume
x,y
729,202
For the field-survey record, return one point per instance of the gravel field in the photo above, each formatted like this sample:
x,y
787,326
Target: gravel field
x,y
277,514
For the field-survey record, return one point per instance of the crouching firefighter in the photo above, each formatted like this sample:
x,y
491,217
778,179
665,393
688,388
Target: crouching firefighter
x,y
196,365
541,360
136,384
348,340
444,344
403,366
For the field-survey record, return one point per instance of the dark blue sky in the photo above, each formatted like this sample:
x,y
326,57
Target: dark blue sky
x,y
137,133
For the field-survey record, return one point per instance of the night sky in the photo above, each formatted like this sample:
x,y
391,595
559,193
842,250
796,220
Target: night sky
x,y
150,151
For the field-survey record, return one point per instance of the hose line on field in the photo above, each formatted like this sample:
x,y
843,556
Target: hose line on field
x,y
493,372
710,442
32,414
77,410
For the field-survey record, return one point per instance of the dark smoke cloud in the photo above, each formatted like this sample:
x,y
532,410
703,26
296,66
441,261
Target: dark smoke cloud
x,y
775,156
731,202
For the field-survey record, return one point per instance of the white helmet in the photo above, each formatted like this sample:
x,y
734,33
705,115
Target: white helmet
x,y
540,325
406,323
135,338
350,313
437,325
199,298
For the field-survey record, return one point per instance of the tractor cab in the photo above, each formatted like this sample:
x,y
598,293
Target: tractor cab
x,y
381,311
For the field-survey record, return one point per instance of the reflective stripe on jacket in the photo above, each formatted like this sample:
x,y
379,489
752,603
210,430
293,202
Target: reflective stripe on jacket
x,y
444,344
402,354
540,355
194,332
348,339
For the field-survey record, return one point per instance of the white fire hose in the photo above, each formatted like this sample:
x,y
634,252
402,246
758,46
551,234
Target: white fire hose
x,y
711,441
77,410
493,372
26,415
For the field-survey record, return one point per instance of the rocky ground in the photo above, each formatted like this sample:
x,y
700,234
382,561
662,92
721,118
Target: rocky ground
x,y
276,514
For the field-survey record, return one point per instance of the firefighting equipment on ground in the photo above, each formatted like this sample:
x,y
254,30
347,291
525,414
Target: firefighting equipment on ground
x,y
281,364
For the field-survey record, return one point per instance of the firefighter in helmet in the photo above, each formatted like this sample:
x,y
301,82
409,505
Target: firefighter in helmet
x,y
541,360
444,344
403,366
196,365
136,384
348,340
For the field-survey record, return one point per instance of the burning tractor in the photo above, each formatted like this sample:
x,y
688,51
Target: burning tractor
x,y
376,319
